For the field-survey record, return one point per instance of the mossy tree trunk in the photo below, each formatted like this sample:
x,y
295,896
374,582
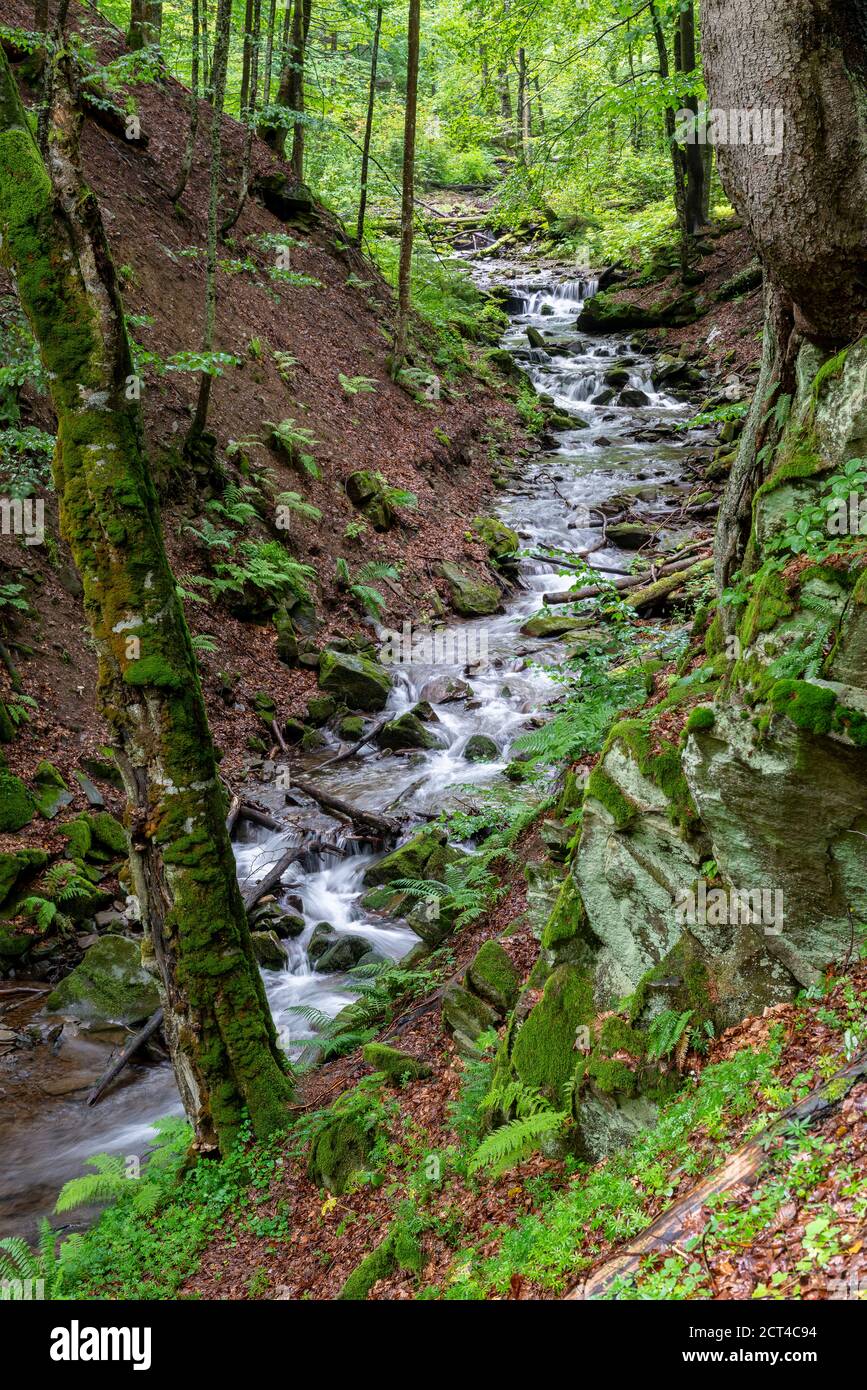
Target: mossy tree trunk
x,y
805,203
218,1025
407,205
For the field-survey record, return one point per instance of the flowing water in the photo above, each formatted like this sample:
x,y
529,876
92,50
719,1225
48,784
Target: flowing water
x,y
550,506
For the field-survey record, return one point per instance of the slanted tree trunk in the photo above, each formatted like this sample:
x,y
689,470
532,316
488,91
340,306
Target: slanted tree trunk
x,y
193,127
218,97
805,205
217,1022
407,206
368,128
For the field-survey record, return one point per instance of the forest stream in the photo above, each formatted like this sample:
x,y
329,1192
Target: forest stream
x,y
549,506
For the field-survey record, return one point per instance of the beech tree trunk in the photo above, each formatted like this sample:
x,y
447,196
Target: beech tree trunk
x,y
805,204
407,206
193,128
217,1022
368,128
300,31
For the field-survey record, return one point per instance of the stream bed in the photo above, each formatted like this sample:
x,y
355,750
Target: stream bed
x,y
548,505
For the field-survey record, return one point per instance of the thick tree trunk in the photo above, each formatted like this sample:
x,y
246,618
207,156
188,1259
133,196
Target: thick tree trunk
x,y
218,1026
368,128
407,206
804,200
218,96
249,116
300,32
693,156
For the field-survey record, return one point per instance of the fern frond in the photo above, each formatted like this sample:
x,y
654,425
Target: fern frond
x,y
514,1142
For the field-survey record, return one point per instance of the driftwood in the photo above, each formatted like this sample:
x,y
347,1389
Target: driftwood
x,y
368,823
275,873
642,598
351,752
252,813
116,1067
234,813
632,581
744,1166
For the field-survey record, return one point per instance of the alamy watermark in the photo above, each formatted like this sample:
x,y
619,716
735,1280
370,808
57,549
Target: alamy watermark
x,y
23,516
438,647
762,126
717,907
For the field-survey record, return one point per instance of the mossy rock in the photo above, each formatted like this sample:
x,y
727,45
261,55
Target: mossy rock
x,y
399,1250
544,1053
628,535
493,976
470,596
342,1146
480,749
320,709
355,680
554,625
397,1066
287,637
343,954
267,950
564,933
17,806
107,831
467,1017
109,986
407,731
501,541
366,491
18,864
423,857
50,791
13,945
104,769
351,728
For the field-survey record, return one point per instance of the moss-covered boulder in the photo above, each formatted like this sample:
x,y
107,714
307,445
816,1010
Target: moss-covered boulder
x,y
17,805
341,1147
395,1065
604,313
467,1017
501,541
399,1250
50,790
109,986
13,944
554,624
407,731
343,953
479,748
17,865
471,596
493,976
423,857
267,950
369,493
544,1054
355,680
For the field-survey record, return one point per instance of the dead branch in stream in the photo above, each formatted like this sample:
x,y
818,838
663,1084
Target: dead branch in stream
x,y
634,581
368,823
275,873
359,744
116,1067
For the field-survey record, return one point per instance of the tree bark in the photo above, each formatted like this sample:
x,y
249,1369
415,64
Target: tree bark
x,y
804,202
249,117
368,128
407,205
300,31
193,128
218,1026
693,160
218,78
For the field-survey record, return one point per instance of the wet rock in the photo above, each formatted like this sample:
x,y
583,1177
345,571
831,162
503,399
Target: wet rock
x,y
617,376
267,950
467,1017
356,680
470,596
50,790
109,986
632,396
628,535
351,728
424,856
603,398
480,749
322,938
493,977
346,952
535,338
553,625
17,865
407,731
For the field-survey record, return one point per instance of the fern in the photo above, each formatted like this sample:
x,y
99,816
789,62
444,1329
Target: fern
x,y
665,1032
514,1142
357,385
294,502
20,1264
104,1185
297,442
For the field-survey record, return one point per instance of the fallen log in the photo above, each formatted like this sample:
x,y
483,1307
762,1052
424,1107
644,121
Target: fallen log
x,y
368,822
632,581
642,598
252,813
252,895
116,1067
744,1166
351,752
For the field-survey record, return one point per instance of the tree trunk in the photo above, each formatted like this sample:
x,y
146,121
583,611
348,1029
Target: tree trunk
x,y
249,117
218,96
670,132
368,128
218,1026
193,128
247,55
269,51
407,206
300,32
804,202
693,152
